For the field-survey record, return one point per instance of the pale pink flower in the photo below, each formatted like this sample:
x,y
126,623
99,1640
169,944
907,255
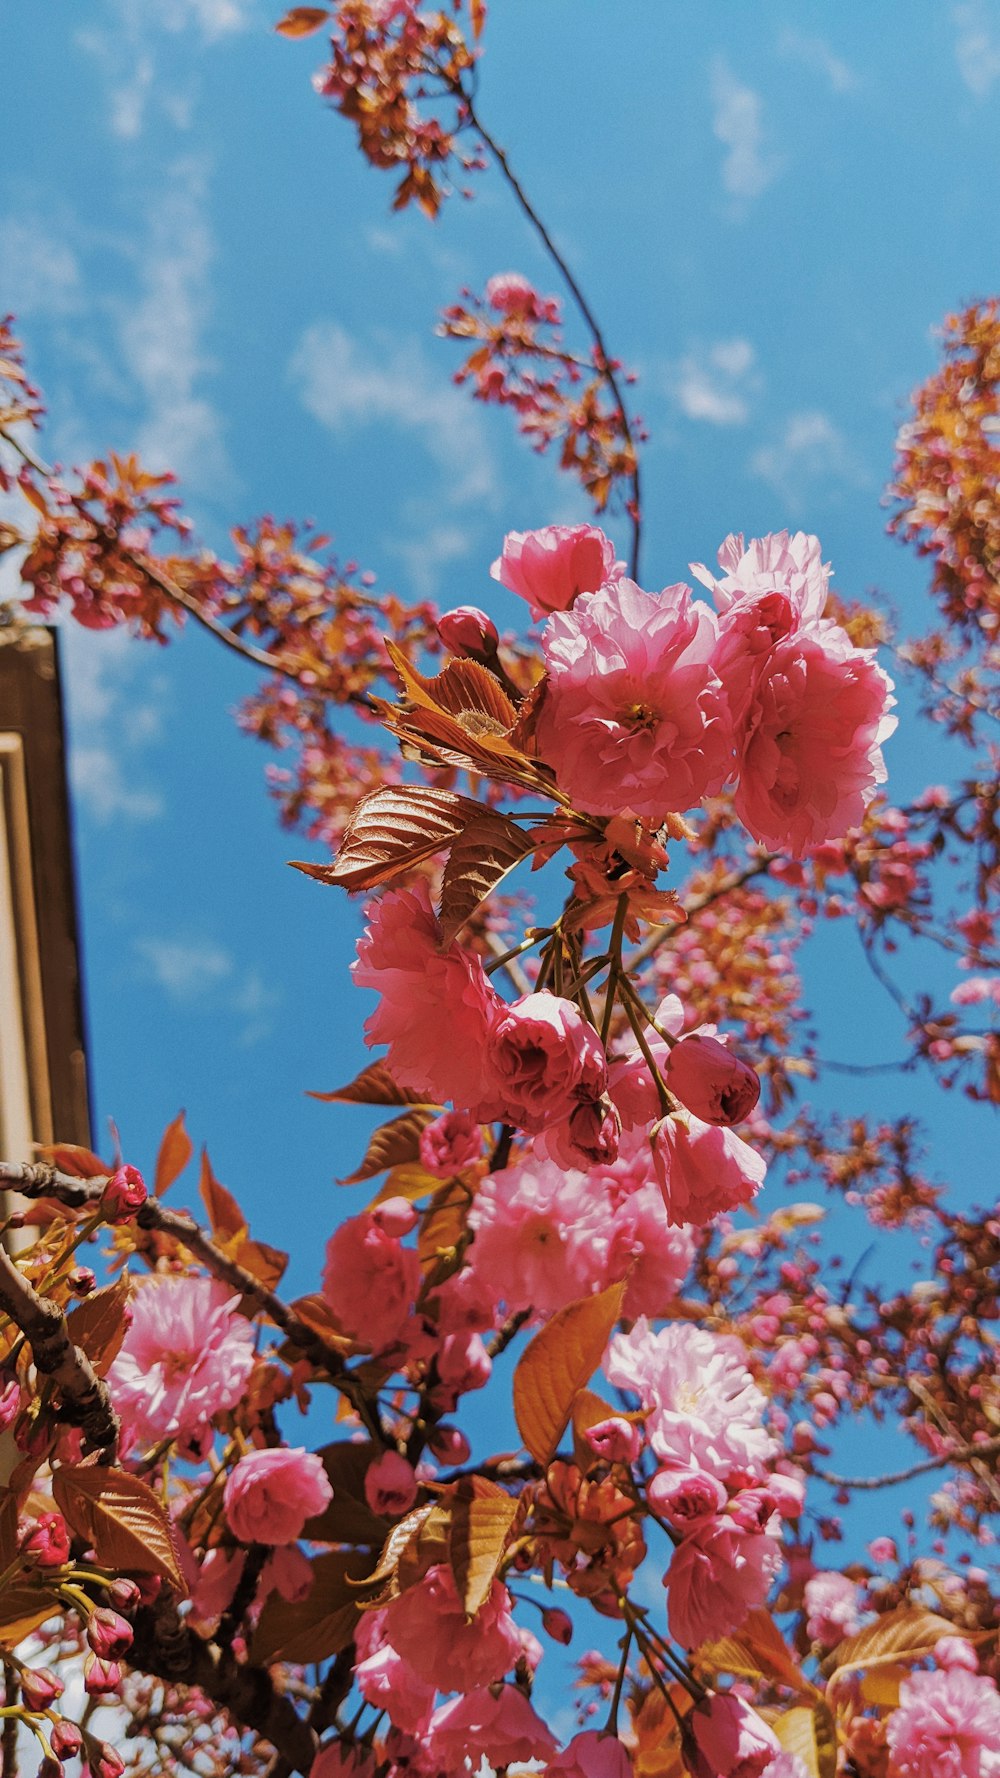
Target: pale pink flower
x,y
729,1738
954,1651
595,1754
370,1282
703,1169
947,1725
772,588
437,1005
809,752
831,1602
551,567
511,293
787,1765
718,1574
635,716
270,1494
212,1584
390,1485
427,1625
685,1497
186,1357
704,1410
544,1060
388,1682
643,1247
540,1235
711,1080
451,1142
504,1729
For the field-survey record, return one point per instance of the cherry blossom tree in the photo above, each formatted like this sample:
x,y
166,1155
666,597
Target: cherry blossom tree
x,y
592,1106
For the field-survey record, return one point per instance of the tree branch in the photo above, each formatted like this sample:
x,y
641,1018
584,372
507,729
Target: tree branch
x,y
972,1454
86,1400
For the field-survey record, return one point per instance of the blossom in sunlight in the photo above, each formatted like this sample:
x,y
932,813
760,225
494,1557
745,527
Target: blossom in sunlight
x,y
540,1234
771,588
703,1169
437,1005
370,1281
550,568
635,715
451,1142
704,1410
711,1080
428,1626
186,1357
269,1495
502,1729
718,1574
545,1060
947,1725
595,1754
728,1737
831,1602
387,1681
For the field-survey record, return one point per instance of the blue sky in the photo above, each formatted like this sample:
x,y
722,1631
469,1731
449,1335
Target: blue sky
x,y
771,208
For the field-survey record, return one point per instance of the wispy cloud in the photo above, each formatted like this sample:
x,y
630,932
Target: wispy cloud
x,y
977,46
810,449
738,122
41,271
716,383
344,385
195,971
126,39
815,54
115,711
98,781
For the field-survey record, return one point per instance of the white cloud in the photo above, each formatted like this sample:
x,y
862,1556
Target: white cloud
x,y
97,779
815,54
161,337
115,708
738,123
344,385
977,46
41,271
127,49
425,557
810,449
185,968
715,384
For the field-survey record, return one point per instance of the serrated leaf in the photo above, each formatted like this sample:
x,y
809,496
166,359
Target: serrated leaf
x,y
463,688
302,21
482,1516
312,1629
98,1324
120,1518
225,1217
480,858
756,1648
24,1605
391,1146
904,1634
373,1086
558,1363
391,830
398,1540
796,1731
176,1150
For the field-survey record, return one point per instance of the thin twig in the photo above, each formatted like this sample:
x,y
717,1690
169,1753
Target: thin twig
x,y
86,1400
962,1454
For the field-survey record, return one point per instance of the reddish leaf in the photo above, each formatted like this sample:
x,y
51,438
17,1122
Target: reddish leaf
x,y
98,1325
373,1086
480,858
69,1157
391,1145
120,1518
311,1629
558,1363
302,21
176,1150
224,1214
391,830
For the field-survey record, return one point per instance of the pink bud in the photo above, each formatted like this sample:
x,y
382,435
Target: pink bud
x,y
390,1485
712,1081
468,632
46,1544
449,1444
123,1594
615,1440
100,1676
49,1768
124,1195
751,1508
685,1497
108,1634
81,1280
65,1739
788,1493
40,1687
106,1763
10,1400
557,1624
396,1216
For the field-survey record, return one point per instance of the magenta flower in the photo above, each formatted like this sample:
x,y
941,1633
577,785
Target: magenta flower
x,y
545,1060
718,1574
505,1728
550,568
270,1495
427,1625
729,1737
370,1282
594,1754
711,1080
703,1169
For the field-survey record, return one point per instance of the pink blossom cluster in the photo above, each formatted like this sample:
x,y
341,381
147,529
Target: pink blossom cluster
x,y
947,1725
655,701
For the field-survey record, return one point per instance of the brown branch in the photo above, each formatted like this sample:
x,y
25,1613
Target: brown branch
x,y
86,1400
40,1179
972,1454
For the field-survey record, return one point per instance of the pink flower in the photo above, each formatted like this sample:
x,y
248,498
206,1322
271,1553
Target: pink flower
x,y
451,1142
468,632
544,1060
289,1572
809,753
704,1410
551,567
387,1682
635,716
729,1738
831,1602
390,1485
954,1651
370,1282
510,293
685,1497
46,1543
787,1765
711,1080
645,1248
614,1440
427,1625
775,587
124,1195
505,1728
703,1169
269,1495
186,1356
947,1725
883,1550
212,1584
437,1005
540,1235
718,1574
595,1754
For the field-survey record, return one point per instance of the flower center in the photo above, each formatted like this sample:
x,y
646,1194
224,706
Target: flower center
x,y
639,715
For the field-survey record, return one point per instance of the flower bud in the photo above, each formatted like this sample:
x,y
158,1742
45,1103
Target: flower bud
x,y
81,1280
449,1444
46,1544
40,1687
108,1634
124,1195
557,1624
390,1485
49,1768
100,1676
468,632
123,1594
711,1080
685,1497
65,1739
396,1216
616,1440
105,1762
752,1508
